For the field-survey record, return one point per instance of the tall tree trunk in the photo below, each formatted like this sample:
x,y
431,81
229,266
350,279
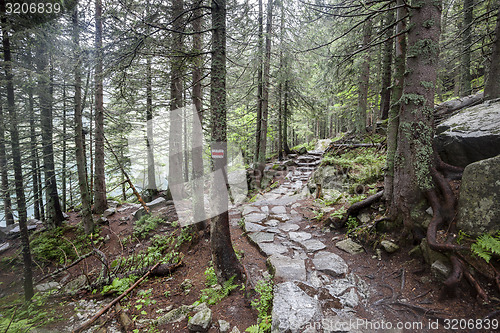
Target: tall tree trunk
x,y
7,203
37,195
100,202
40,186
16,157
397,91
265,89
197,144
492,85
466,88
87,220
260,64
364,81
149,128
414,154
280,86
286,114
385,95
175,167
54,216
64,135
224,259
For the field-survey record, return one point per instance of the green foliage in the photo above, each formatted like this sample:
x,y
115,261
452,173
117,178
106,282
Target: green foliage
x,y
210,277
120,285
144,300
318,214
263,305
215,294
51,246
352,224
486,245
356,198
339,213
146,224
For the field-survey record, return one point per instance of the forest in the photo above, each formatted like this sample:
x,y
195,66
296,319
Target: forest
x,y
249,165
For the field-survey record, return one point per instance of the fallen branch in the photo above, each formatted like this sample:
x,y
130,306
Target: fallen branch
x,y
65,267
116,300
355,208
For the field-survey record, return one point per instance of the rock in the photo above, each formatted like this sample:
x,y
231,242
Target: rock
x,y
47,286
473,134
479,203
440,270
156,203
299,236
75,284
13,231
174,316
351,299
224,326
270,248
201,321
287,268
281,217
278,210
4,247
289,163
102,221
251,227
349,246
330,263
109,212
293,309
249,209
331,195
321,145
430,255
272,223
313,245
235,330
329,178
389,246
261,237
364,218
302,151
65,215
255,217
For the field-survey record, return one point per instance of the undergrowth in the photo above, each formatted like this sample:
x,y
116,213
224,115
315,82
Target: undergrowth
x,y
52,245
263,305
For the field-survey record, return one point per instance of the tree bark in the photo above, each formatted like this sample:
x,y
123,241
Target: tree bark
x,y
175,167
37,195
87,220
414,154
64,154
466,78
226,265
149,128
7,203
100,201
197,95
397,91
492,85
54,216
364,82
16,157
260,57
385,95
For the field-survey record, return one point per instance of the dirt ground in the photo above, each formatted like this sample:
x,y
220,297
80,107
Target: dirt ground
x,y
404,289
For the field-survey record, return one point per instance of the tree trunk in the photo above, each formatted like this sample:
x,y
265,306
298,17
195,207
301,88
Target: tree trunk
x,y
224,260
397,91
16,158
175,167
87,220
265,90
54,216
280,86
466,78
64,135
414,154
492,85
260,57
197,95
100,201
385,95
149,128
7,203
364,81
286,114
37,195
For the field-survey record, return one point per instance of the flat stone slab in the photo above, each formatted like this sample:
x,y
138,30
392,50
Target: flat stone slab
x,y
313,245
349,246
270,248
299,236
293,309
281,217
289,227
249,209
261,237
288,268
252,227
272,223
278,210
255,217
330,263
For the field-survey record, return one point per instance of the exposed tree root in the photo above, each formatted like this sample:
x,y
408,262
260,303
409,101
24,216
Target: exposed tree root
x,y
355,208
64,268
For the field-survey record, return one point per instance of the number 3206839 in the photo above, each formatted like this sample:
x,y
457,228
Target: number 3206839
x,y
32,8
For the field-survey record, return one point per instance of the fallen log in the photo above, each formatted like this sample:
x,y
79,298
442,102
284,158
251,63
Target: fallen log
x,y
64,268
116,300
355,208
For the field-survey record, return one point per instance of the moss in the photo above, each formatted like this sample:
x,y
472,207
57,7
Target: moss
x,y
427,85
413,98
428,23
425,47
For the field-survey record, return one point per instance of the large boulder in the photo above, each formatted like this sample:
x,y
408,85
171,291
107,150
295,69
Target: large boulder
x,y
471,135
479,203
330,178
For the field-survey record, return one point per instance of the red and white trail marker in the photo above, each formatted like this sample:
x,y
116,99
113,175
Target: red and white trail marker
x,y
217,153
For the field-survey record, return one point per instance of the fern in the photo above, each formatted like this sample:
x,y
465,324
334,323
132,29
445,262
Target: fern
x,y
485,246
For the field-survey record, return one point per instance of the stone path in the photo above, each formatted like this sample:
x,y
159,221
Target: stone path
x,y
314,288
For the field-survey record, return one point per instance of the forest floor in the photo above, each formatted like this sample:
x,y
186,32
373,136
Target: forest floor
x,y
402,288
